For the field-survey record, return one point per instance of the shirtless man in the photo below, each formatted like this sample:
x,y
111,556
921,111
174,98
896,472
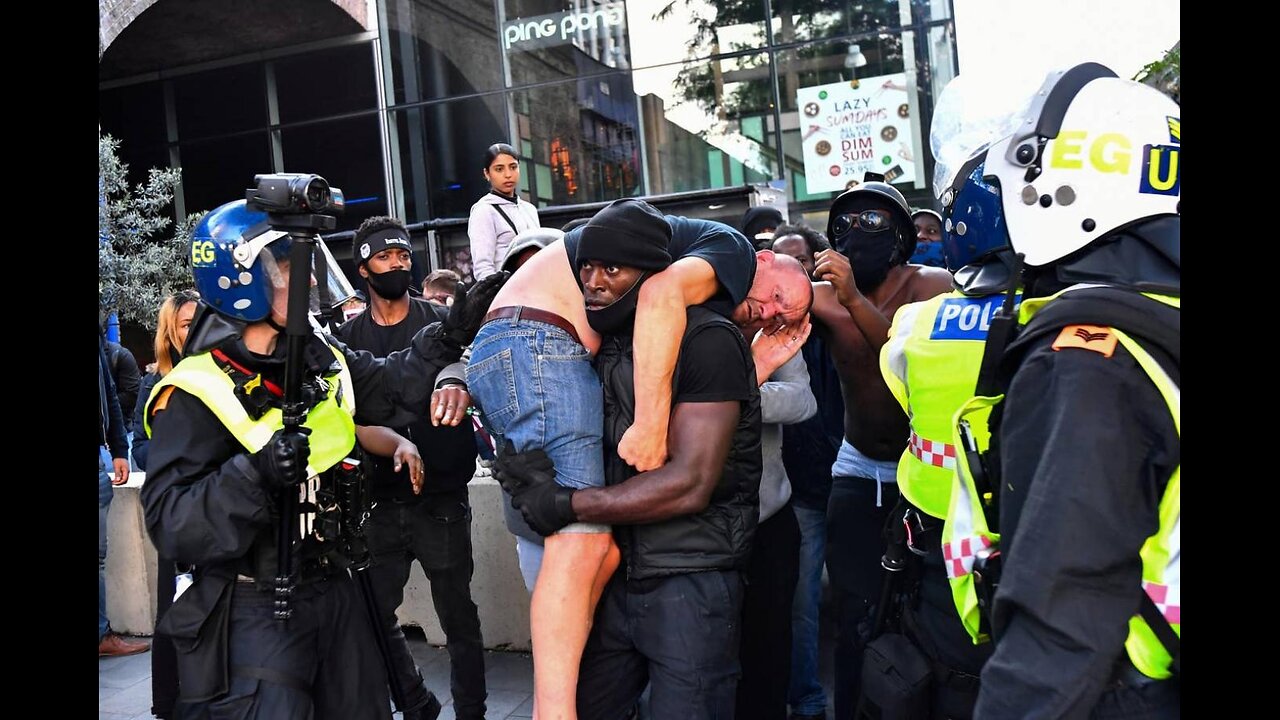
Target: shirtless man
x,y
872,237
530,371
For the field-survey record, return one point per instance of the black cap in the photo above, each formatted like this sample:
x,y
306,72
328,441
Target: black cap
x,y
376,242
627,232
759,219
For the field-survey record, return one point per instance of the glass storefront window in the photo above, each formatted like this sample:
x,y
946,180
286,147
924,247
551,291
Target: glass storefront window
x,y
562,39
218,171
441,50
438,154
708,124
134,115
221,101
326,82
346,153
672,31
584,137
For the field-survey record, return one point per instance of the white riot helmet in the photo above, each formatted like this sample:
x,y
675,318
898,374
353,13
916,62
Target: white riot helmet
x,y
1090,154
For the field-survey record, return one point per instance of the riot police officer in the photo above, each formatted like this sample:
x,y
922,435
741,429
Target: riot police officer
x,y
223,465
1083,468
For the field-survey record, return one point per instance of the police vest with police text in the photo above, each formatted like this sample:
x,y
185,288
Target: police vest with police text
x,y
965,532
930,364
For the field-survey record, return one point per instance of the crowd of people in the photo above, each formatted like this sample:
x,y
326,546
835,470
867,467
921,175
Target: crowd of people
x,y
691,423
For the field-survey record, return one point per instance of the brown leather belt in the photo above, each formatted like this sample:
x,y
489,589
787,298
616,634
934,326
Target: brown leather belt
x,y
528,313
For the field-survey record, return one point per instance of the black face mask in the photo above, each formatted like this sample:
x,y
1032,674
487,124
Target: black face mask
x,y
871,255
617,317
392,284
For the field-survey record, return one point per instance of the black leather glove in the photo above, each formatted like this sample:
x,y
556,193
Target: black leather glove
x,y
282,462
470,306
530,478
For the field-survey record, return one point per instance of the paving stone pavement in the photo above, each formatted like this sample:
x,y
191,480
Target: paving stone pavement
x,y
124,683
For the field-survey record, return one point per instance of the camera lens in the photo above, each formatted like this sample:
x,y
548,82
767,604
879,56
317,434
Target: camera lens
x,y
310,192
317,194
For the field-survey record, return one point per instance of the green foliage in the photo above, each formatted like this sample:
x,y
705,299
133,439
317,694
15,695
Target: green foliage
x,y
138,265
799,20
1165,74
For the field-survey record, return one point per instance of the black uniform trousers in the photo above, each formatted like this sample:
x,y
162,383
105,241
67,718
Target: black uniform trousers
x,y
321,664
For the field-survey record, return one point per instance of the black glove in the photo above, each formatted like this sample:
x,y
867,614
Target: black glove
x,y
470,306
530,478
282,462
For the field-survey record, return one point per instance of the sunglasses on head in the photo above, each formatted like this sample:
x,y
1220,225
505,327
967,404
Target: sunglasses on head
x,y
867,221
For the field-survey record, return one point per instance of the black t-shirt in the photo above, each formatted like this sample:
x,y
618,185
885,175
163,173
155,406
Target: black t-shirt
x,y
710,369
448,453
725,249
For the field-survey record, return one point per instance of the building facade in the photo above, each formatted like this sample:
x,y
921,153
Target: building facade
x,y
395,101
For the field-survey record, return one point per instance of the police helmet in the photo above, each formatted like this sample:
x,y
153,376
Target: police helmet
x,y
1091,154
233,259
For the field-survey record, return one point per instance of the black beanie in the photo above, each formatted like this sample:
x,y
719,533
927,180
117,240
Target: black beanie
x,y
758,218
627,232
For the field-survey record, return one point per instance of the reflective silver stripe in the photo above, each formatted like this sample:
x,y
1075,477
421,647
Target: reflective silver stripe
x,y
896,349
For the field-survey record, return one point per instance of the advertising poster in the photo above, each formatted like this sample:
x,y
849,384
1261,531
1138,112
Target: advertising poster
x,y
848,128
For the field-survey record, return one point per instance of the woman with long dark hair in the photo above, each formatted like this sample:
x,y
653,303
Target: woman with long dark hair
x,y
176,313
500,215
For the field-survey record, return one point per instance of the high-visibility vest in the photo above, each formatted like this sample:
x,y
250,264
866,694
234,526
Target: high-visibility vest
x,y
930,364
965,531
332,428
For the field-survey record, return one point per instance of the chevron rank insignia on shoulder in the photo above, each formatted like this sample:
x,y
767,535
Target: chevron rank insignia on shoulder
x,y
1098,338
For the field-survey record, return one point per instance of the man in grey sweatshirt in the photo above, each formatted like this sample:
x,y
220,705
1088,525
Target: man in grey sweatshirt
x,y
774,566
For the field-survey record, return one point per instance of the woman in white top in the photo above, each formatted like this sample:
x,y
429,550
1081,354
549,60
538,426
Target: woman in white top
x,y
500,215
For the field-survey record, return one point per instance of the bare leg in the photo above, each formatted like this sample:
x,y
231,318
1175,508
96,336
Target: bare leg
x,y
575,568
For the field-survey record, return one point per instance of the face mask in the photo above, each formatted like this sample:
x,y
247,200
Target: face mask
x,y
929,253
871,255
392,284
617,317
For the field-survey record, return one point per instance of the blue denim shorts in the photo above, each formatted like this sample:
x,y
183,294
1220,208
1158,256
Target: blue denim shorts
x,y
537,388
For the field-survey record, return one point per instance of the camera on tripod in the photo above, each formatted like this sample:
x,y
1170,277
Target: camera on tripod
x,y
294,194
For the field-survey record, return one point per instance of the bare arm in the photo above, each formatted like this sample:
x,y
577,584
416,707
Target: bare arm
x,y
834,267
660,324
786,398
701,434
771,352
386,442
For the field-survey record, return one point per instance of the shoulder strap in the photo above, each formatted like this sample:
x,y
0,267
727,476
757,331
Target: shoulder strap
x,y
514,229
1155,323
1159,625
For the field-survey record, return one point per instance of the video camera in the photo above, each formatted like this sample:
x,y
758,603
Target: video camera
x,y
296,200
294,194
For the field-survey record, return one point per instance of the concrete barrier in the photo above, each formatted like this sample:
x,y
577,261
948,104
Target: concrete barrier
x,y
496,587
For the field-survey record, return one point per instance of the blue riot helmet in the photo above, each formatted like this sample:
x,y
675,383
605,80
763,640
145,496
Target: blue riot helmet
x,y
973,227
975,239
240,265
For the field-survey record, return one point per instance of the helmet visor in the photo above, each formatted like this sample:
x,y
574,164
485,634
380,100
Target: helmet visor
x,y
971,113
336,289
276,267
